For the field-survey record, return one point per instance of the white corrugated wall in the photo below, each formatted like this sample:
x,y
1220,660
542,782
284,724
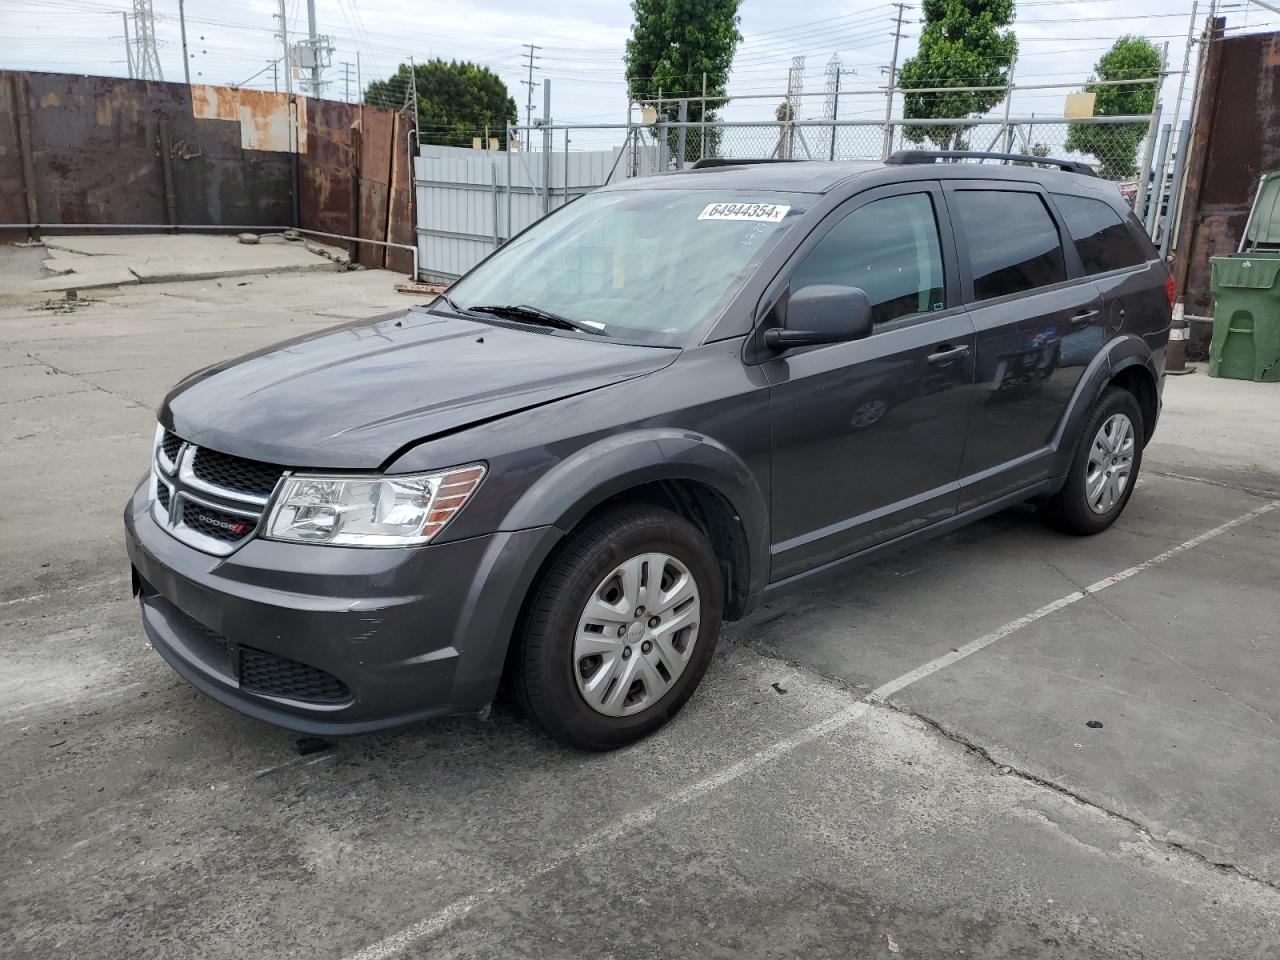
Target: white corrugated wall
x,y
460,190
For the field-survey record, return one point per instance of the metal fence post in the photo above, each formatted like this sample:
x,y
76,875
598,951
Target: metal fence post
x,y
546,146
1139,202
702,120
1156,193
509,190
682,115
493,190
1175,195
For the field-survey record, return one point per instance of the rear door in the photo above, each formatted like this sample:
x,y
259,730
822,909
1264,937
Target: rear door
x,y
1128,272
867,436
1039,321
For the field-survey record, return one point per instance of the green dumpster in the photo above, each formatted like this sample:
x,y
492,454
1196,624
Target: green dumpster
x,y
1246,316
1246,293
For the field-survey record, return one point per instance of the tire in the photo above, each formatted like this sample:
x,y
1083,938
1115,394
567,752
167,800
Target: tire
x,y
1078,508
556,667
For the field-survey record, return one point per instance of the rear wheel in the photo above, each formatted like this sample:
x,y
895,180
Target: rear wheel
x,y
620,629
1104,468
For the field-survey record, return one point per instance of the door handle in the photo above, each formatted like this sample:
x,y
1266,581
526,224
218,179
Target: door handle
x,y
1084,316
946,354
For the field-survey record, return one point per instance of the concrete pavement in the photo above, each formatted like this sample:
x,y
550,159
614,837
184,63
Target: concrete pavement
x,y
970,811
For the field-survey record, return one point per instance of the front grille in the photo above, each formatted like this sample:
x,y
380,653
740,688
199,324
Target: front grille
x,y
170,444
209,500
235,473
227,527
264,672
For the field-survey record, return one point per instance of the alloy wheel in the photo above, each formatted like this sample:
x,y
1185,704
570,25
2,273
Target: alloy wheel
x,y
1110,463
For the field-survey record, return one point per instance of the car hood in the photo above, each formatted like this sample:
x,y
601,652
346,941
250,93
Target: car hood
x,y
354,395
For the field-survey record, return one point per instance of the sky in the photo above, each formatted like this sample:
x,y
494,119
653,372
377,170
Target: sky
x,y
234,42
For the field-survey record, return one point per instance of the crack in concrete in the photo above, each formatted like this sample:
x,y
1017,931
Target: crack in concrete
x,y
131,401
1238,487
1009,768
1005,766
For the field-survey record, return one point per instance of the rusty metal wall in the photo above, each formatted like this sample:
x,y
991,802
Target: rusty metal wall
x,y
101,150
1236,139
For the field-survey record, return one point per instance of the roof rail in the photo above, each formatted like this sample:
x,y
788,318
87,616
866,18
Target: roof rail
x,y
929,156
706,162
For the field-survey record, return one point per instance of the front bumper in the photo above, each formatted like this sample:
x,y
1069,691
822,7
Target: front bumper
x,y
334,640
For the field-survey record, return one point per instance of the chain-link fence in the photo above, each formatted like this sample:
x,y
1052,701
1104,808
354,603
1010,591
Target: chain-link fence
x,y
462,217
1112,145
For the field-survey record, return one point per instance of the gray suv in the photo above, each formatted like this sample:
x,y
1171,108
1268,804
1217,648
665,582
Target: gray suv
x,y
652,410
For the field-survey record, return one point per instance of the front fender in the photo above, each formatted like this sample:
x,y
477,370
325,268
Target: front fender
x,y
1119,354
576,485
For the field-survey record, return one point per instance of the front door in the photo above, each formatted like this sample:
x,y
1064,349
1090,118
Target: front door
x,y
867,437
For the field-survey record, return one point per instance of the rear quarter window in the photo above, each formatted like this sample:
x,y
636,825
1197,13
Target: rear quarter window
x,y
1012,240
1101,236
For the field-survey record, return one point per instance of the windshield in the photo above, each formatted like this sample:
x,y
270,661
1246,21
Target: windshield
x,y
638,265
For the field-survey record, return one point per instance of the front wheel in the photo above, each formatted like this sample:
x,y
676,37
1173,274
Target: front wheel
x,y
1104,468
620,628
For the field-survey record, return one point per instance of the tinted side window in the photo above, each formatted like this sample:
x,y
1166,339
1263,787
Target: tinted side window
x,y
1101,236
890,249
1013,244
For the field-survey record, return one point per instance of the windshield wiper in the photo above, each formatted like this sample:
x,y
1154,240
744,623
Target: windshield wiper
x,y
527,314
452,306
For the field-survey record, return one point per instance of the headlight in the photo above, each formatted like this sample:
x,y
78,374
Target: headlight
x,y
370,511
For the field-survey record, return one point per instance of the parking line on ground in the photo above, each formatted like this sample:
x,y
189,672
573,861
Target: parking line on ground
x,y
882,692
630,822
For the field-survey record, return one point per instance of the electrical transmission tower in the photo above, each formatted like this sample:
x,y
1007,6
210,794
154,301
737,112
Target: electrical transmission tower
x,y
146,59
795,86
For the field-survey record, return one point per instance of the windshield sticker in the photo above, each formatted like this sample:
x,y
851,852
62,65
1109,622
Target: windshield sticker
x,y
763,212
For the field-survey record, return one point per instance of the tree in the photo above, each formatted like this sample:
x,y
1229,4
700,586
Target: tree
x,y
1116,144
961,45
456,100
673,43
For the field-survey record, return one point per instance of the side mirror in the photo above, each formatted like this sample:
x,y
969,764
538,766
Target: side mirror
x,y
822,313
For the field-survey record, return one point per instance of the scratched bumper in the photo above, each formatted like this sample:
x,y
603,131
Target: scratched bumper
x,y
400,635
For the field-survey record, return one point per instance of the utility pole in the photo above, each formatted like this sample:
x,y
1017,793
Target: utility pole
x,y
346,81
893,80
182,25
832,105
128,47
275,76
1005,139
314,43
284,43
1186,64
528,107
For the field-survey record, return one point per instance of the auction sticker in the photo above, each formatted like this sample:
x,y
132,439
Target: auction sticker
x,y
760,212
